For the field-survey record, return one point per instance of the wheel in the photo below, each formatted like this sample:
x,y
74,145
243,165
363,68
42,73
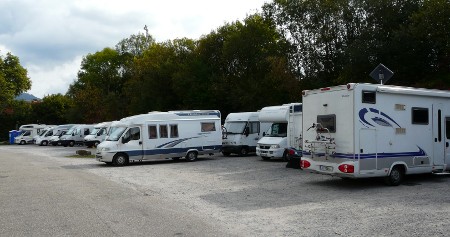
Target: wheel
x,y
395,177
226,153
191,156
71,143
44,143
120,159
22,142
96,143
243,151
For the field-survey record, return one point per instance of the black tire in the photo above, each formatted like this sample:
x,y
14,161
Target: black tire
x,y
22,142
120,159
71,143
191,156
226,153
395,177
44,143
285,156
243,151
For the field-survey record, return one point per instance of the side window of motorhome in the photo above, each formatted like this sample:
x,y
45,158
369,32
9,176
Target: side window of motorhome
x,y
328,122
419,115
152,133
254,127
208,127
163,131
447,128
173,130
369,97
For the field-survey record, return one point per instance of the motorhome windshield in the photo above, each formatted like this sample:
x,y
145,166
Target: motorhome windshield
x,y
116,134
26,133
42,132
94,131
278,130
235,127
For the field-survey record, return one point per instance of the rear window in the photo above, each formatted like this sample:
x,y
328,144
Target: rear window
x,y
369,97
419,115
328,122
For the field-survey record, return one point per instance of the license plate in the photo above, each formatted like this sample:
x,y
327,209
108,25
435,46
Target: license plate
x,y
326,168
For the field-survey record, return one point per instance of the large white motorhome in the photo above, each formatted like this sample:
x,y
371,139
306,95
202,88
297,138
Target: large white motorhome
x,y
75,135
28,132
160,135
366,130
97,134
285,132
58,132
241,132
42,138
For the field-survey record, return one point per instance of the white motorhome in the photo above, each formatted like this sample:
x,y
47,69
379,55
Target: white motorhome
x,y
241,132
42,138
285,132
75,135
365,130
58,132
160,135
28,132
97,134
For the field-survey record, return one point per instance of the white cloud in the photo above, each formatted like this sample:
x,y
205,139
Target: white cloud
x,y
51,36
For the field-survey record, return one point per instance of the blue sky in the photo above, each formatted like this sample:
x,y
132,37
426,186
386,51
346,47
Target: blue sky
x,y
50,37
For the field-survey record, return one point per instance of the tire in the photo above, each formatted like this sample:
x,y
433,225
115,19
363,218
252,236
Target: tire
x,y
120,159
44,143
226,153
96,143
285,158
243,151
71,143
22,142
395,176
191,156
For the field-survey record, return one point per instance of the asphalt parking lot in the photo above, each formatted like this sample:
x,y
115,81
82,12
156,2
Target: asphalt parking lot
x,y
246,196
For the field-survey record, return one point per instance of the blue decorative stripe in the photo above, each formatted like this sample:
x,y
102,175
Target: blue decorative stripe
x,y
164,151
383,155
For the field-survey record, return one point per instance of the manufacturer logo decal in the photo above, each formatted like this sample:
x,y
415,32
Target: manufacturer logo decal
x,y
371,117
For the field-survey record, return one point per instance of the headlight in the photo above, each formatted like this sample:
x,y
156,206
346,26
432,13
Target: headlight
x,y
274,146
105,149
257,145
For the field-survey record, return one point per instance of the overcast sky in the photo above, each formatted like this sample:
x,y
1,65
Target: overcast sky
x,y
50,37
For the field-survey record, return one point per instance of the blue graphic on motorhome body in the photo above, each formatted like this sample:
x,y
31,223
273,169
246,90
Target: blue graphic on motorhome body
x,y
372,117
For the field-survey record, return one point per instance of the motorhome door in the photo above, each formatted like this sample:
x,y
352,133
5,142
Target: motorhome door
x,y
438,135
132,143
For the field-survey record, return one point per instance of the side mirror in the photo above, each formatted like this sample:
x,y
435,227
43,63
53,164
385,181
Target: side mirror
x,y
125,139
264,134
246,131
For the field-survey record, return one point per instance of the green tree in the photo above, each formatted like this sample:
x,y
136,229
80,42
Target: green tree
x,y
53,109
13,79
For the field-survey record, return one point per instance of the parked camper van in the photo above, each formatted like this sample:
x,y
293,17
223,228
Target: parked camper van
x,y
241,132
366,130
75,135
42,138
285,131
160,135
97,134
58,132
28,132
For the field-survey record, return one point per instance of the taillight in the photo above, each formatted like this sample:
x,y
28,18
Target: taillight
x,y
305,164
346,168
291,152
325,89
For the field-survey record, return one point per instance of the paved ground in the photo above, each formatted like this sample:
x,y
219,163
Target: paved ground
x,y
221,196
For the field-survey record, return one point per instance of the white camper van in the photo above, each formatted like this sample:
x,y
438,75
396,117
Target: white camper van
x,y
58,132
28,132
75,135
160,135
241,132
97,134
285,132
42,138
366,130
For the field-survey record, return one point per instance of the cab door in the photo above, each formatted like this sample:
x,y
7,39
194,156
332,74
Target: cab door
x,y
132,143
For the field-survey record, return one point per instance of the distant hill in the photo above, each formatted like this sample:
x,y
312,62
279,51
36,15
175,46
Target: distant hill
x,y
27,97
